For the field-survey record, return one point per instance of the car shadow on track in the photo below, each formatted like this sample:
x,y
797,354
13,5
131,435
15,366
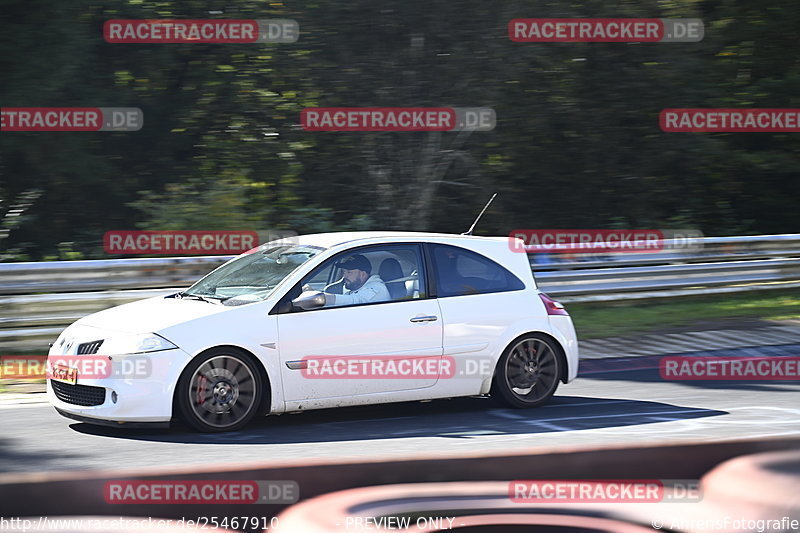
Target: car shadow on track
x,y
461,418
12,454
645,369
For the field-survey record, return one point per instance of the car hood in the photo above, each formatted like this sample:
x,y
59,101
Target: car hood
x,y
151,315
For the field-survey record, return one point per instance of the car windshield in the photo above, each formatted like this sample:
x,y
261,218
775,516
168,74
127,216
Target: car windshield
x,y
253,276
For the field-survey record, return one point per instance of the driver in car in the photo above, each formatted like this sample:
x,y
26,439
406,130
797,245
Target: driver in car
x,y
359,286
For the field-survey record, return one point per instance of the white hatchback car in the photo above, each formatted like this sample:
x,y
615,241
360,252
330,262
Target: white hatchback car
x,y
265,334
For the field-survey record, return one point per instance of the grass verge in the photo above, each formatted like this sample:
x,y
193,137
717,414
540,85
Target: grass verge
x,y
611,319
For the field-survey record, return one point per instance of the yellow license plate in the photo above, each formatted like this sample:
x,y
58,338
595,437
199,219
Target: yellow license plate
x,y
65,374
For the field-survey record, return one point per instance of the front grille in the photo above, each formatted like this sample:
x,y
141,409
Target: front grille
x,y
84,395
89,348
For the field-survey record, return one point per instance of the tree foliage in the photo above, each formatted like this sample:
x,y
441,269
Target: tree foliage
x,y
577,142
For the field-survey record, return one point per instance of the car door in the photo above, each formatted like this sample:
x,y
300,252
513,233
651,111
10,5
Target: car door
x,y
408,326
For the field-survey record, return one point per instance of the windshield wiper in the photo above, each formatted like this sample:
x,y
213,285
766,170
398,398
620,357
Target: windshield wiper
x,y
187,295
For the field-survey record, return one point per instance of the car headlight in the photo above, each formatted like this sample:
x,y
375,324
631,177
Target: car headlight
x,y
130,344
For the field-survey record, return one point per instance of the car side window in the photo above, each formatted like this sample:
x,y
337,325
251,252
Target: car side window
x,y
460,272
395,273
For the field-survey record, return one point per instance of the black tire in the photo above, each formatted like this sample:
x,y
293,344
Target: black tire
x,y
528,372
221,390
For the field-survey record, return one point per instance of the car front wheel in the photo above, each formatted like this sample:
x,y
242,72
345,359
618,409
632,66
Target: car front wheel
x,y
220,390
528,372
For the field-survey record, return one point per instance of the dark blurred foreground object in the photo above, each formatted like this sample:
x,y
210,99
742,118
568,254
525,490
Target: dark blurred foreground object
x,y
750,479
737,496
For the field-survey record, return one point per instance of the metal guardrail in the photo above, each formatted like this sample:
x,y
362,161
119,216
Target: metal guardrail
x,y
104,274
38,299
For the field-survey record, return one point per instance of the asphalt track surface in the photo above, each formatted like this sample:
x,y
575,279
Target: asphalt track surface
x,y
612,402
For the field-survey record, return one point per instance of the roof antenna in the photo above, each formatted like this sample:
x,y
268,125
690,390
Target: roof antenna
x,y
469,231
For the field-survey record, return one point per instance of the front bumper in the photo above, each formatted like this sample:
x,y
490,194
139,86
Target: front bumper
x,y
113,423
139,397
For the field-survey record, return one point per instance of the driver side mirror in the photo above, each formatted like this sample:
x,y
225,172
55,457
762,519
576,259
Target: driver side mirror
x,y
309,300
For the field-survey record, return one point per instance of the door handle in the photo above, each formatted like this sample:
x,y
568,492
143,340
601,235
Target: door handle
x,y
429,318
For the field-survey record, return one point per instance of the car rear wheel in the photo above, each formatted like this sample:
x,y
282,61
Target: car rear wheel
x,y
220,391
528,372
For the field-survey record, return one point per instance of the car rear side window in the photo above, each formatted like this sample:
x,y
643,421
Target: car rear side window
x,y
460,272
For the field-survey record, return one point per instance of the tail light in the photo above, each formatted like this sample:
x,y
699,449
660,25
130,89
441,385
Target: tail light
x,y
553,307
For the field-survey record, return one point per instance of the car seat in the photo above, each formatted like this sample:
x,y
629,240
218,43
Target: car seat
x,y
389,271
